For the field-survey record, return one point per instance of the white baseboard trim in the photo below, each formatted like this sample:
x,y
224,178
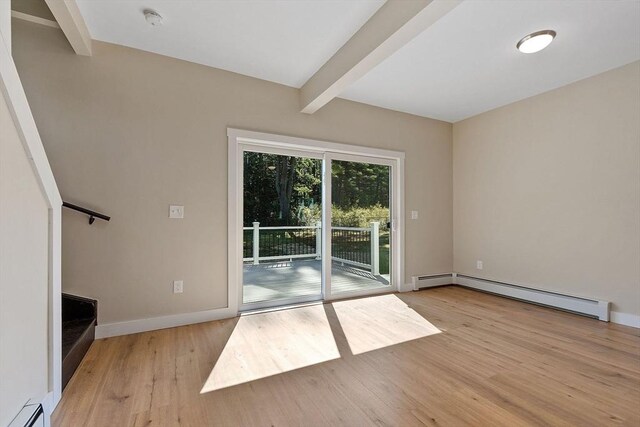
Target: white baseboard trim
x,y
431,280
587,306
591,307
143,325
626,319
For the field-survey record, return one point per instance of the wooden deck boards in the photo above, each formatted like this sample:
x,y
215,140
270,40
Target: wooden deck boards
x,y
299,278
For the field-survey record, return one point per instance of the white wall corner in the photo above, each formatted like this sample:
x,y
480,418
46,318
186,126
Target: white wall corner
x,y
16,98
626,319
48,405
5,23
407,287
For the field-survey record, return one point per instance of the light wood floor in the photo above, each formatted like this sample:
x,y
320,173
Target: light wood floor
x,y
487,361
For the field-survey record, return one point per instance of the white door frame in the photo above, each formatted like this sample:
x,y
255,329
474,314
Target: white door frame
x,y
395,204
281,151
239,139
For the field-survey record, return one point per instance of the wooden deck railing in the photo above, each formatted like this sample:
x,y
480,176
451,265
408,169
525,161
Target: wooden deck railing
x,y
357,246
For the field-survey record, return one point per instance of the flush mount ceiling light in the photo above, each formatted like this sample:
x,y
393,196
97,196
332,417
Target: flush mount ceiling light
x,y
535,42
152,17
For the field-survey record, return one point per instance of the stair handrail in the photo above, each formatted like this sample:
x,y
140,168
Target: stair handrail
x,y
92,214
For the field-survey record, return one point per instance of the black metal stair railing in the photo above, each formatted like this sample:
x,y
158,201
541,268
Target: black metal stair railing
x,y
92,214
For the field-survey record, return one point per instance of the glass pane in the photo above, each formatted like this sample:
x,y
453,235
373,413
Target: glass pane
x,y
281,228
360,232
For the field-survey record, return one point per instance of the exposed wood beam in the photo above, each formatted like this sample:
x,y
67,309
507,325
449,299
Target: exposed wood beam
x,y
395,24
34,19
72,24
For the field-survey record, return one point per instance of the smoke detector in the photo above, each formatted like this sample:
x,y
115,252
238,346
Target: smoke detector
x,y
152,17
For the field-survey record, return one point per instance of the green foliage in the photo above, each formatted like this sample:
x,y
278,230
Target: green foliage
x,y
351,217
359,217
359,185
276,187
286,190
309,215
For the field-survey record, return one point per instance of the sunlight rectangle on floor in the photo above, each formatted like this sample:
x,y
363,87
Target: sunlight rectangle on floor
x,y
271,343
377,322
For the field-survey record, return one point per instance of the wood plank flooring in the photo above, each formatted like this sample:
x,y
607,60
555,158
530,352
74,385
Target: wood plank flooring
x,y
494,362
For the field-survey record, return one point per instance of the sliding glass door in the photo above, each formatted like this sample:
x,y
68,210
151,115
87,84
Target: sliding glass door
x,y
282,228
315,226
360,227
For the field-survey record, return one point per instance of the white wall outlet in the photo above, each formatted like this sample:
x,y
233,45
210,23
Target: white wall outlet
x,y
479,265
414,214
178,286
176,211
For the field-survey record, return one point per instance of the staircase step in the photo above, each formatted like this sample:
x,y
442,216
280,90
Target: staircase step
x,y
79,318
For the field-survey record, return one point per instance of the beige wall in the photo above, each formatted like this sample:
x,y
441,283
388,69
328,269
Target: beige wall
x,y
37,8
129,132
547,190
23,276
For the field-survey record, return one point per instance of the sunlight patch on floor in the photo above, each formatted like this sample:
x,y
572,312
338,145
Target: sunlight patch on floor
x,y
267,344
376,322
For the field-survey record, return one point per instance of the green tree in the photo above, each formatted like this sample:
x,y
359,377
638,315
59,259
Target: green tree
x,y
286,174
359,184
276,187
287,190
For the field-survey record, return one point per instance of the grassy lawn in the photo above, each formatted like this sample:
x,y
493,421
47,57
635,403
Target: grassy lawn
x,y
384,252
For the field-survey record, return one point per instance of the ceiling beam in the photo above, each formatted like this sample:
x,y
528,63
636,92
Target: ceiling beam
x,y
395,24
72,24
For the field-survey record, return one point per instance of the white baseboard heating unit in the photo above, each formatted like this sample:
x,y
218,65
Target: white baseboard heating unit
x,y
580,305
422,282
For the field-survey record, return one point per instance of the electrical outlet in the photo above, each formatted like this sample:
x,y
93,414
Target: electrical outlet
x,y
178,286
414,214
176,212
479,265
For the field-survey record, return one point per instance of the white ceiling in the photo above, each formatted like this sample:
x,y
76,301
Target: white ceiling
x,y
277,40
467,63
464,64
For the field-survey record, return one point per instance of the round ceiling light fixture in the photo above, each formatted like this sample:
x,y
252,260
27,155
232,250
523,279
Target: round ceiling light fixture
x,y
152,17
535,42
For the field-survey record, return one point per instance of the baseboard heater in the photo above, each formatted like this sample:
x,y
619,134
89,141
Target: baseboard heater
x,y
422,282
585,306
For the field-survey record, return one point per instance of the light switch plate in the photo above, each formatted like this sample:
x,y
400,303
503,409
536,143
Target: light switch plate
x,y
479,265
176,212
414,214
178,286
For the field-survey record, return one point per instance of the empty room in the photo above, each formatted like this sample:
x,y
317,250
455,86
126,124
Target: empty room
x,y
319,213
